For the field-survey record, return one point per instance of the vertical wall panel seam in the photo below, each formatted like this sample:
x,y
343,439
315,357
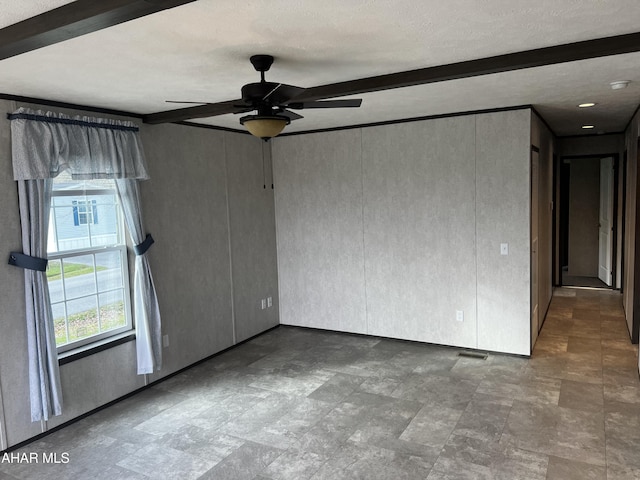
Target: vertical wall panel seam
x,y
226,188
364,251
475,219
3,431
275,223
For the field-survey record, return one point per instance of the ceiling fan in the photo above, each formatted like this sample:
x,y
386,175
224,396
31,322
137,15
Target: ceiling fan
x,y
272,102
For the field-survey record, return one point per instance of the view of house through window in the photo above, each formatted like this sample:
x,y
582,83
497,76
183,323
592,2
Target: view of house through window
x,y
87,271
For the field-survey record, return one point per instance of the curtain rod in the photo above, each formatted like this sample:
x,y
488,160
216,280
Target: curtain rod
x,y
70,121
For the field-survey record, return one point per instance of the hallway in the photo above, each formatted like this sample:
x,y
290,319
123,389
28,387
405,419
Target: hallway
x,y
299,404
584,344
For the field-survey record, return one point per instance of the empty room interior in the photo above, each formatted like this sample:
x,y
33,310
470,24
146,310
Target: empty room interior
x,y
273,240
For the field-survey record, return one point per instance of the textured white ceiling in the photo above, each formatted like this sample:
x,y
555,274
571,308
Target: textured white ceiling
x,y
200,52
14,11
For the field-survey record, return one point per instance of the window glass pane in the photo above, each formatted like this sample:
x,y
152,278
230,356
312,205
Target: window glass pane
x,y
82,315
109,266
101,214
79,276
112,310
67,232
87,272
54,278
59,323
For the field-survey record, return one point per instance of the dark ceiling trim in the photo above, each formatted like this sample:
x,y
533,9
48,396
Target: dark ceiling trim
x,y
107,111
590,155
73,20
569,52
213,127
590,135
409,120
73,106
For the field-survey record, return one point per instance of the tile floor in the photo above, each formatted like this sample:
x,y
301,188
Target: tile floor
x,y
305,404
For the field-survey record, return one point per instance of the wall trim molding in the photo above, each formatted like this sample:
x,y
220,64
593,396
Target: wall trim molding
x,y
109,111
73,106
591,135
409,120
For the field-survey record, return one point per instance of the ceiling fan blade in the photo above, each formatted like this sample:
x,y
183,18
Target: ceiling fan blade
x,y
200,111
289,114
355,102
244,109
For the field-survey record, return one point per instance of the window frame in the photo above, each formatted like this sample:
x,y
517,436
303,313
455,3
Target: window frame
x,y
120,246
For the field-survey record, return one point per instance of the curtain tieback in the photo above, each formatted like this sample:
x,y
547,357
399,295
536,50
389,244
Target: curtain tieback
x,y
142,248
26,261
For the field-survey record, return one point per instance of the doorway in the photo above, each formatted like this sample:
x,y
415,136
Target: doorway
x,y
586,218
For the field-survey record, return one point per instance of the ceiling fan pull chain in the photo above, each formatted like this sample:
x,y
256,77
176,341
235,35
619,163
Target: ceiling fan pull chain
x,y
264,178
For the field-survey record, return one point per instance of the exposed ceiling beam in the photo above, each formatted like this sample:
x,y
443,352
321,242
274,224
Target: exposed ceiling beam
x,y
75,19
539,57
570,52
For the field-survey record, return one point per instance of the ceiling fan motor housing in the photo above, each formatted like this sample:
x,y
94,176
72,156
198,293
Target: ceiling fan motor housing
x,y
254,93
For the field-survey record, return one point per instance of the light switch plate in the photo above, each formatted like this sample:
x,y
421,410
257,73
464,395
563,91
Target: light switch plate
x,y
504,249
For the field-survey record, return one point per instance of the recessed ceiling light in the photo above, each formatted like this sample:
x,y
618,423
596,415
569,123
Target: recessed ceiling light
x,y
588,126
587,105
619,84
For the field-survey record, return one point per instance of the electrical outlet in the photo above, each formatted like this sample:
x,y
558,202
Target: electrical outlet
x,y
165,341
269,302
263,303
459,315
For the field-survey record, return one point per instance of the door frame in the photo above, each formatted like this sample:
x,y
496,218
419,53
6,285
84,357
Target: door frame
x,y
557,207
534,293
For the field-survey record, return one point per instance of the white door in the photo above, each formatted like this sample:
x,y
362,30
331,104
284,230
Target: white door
x,y
535,321
605,222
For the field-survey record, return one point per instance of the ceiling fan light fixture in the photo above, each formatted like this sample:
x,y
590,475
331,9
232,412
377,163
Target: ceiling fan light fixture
x,y
265,126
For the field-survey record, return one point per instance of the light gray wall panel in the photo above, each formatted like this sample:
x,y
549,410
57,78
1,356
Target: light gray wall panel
x,y
115,370
253,234
584,210
503,216
185,209
419,230
14,372
318,195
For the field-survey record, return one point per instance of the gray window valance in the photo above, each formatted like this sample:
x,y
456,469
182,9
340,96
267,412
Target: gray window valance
x,y
88,147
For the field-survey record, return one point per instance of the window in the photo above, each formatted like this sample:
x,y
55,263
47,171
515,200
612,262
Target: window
x,y
85,212
87,272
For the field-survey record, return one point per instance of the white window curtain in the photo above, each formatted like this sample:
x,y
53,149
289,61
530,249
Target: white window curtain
x,y
43,145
